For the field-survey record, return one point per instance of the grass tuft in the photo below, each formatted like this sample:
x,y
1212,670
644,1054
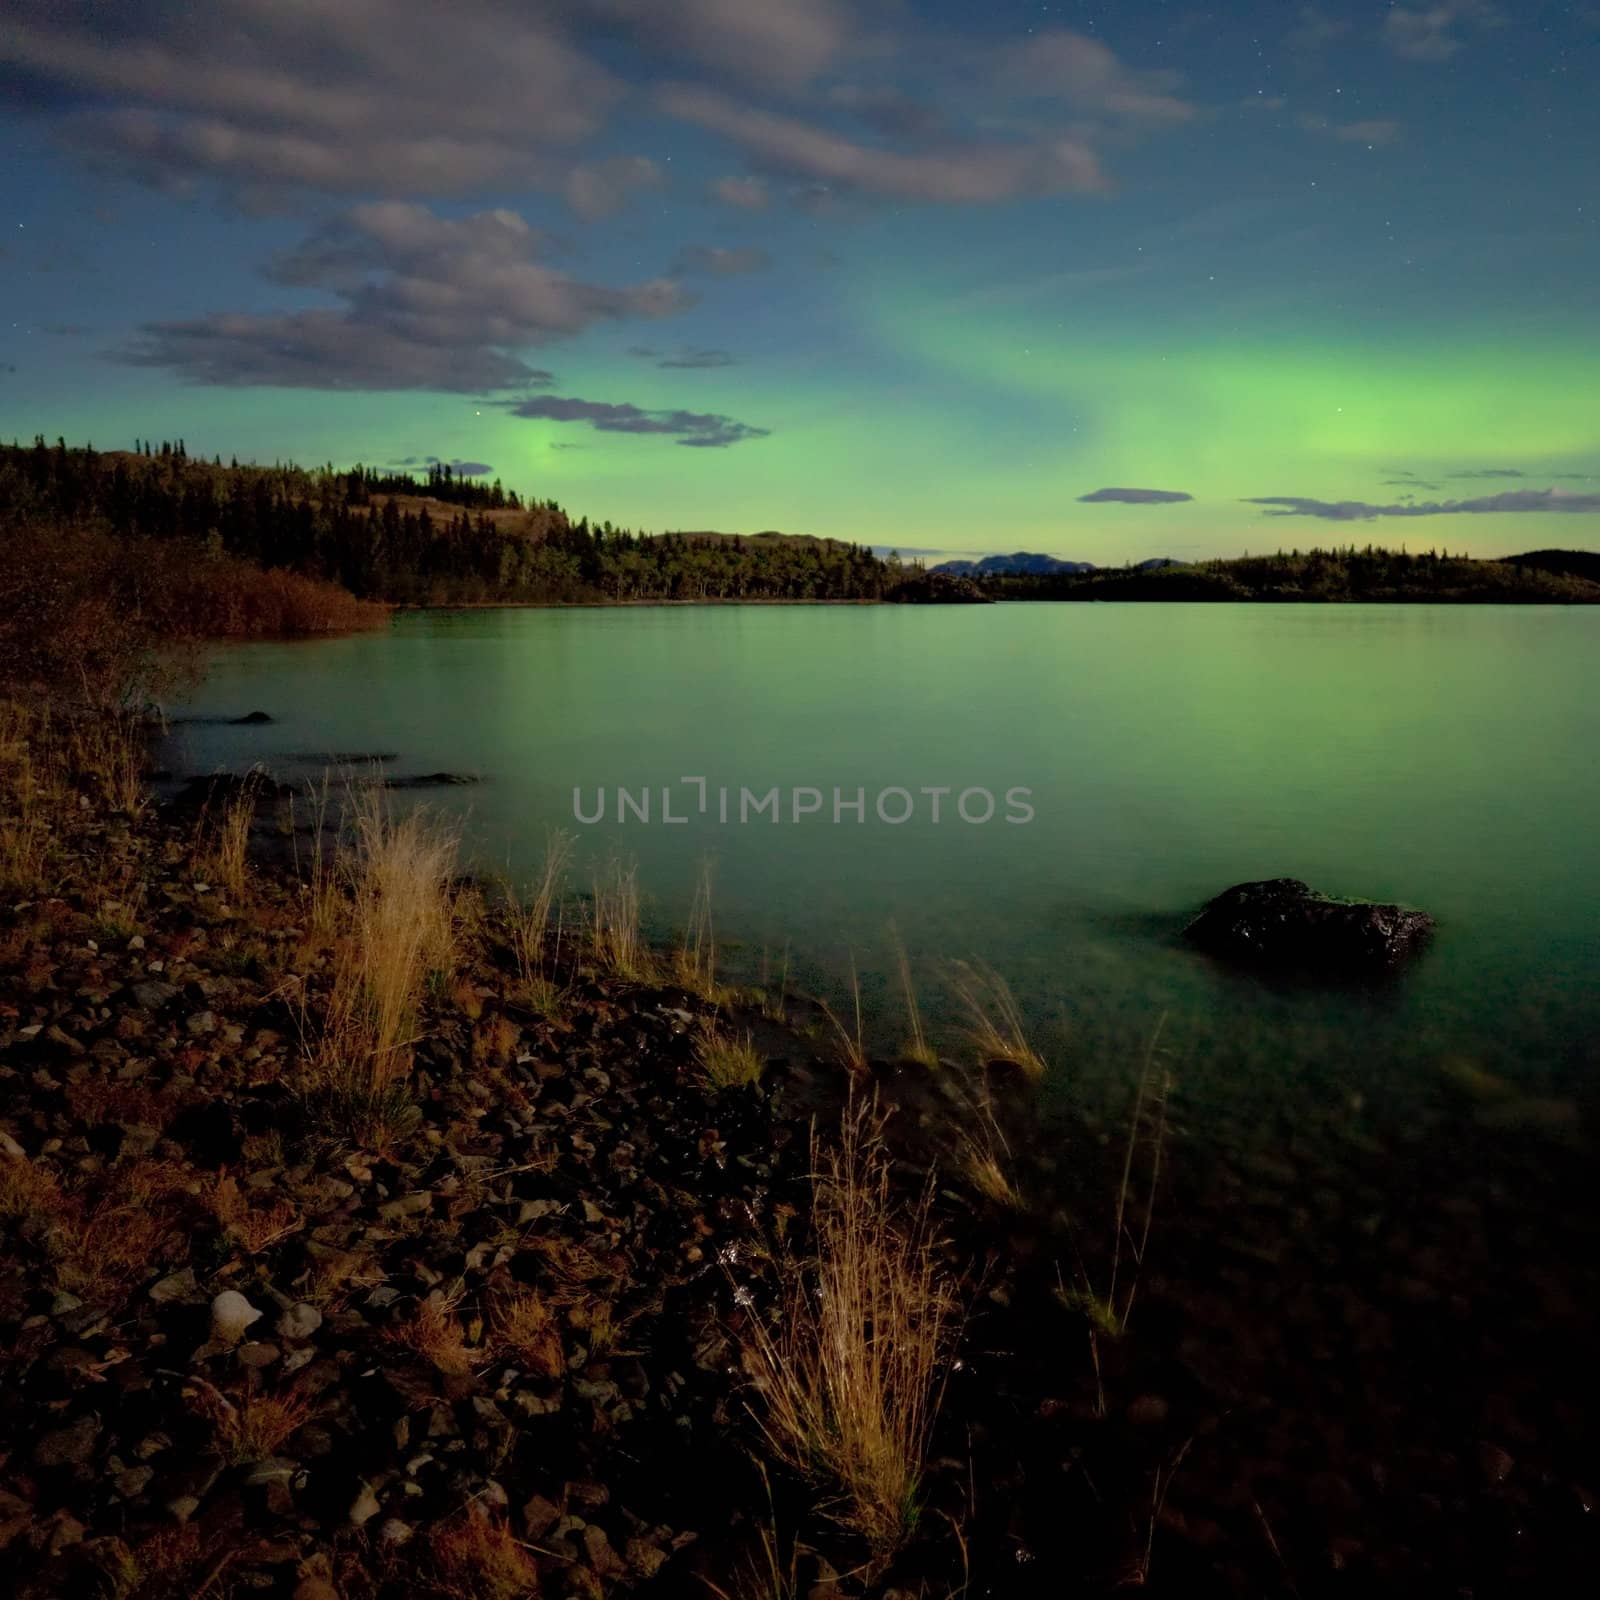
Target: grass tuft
x,y
994,1020
727,1060
850,1372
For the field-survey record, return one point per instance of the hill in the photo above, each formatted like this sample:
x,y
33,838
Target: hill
x,y
389,537
1560,563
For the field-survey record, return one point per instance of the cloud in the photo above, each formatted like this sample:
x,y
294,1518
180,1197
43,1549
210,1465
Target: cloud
x,y
1371,131
888,111
1490,472
970,173
1087,76
686,360
1136,497
385,96
1433,33
748,194
719,261
428,303
702,430
1408,483
598,190
773,43
1518,500
1314,31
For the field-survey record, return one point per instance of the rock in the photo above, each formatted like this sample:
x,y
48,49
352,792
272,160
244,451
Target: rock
x,y
153,993
394,1531
315,1589
365,1506
1282,923
70,1446
257,1355
429,780
299,1322
251,719
231,1314
202,1022
132,1481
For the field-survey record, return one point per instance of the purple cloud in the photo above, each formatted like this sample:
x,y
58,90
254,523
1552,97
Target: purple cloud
x,y
1135,497
698,429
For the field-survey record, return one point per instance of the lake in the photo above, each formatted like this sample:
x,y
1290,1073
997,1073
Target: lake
x,y
1443,756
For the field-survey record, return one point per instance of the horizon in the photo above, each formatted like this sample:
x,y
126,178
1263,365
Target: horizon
x,y
1170,285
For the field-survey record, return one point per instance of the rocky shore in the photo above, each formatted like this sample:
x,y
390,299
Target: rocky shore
x,y
513,1349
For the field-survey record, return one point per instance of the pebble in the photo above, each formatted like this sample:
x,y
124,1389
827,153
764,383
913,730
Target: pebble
x,y
299,1321
231,1314
70,1446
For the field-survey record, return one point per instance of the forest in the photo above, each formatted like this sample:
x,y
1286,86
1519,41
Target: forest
x,y
441,540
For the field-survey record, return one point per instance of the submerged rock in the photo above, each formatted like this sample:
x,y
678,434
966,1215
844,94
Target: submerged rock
x,y
1283,923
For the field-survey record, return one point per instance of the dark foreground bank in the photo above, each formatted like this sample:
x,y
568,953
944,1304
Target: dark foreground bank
x,y
365,1235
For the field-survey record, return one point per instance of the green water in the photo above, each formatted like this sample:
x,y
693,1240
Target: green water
x,y
1444,756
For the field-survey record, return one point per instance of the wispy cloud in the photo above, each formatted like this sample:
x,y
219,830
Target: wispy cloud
x,y
1436,32
685,360
428,303
1136,497
1518,500
699,429
1490,472
719,261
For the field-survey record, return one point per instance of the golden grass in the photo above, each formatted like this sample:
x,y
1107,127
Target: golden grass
x,y
994,1020
26,832
1109,1312
850,1045
530,918
694,961
980,1151
475,1557
397,930
435,1333
256,1426
253,1228
523,1327
614,934
916,1047
727,1060
850,1373
227,857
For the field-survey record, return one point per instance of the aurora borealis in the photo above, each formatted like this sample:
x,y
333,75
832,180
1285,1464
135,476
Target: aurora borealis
x,y
925,275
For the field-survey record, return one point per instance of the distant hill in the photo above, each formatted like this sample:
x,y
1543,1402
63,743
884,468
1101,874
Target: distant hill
x,y
1560,563
1022,562
1028,564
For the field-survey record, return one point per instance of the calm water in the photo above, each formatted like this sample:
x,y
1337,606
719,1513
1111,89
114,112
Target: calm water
x,y
1444,756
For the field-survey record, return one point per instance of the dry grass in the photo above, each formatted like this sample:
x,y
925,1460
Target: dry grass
x,y
107,753
614,925
979,1149
850,1373
25,826
524,1328
775,1005
694,962
1109,1312
253,1228
530,919
256,1426
475,1557
916,1047
727,1060
435,1333
227,856
851,1045
398,929
994,1021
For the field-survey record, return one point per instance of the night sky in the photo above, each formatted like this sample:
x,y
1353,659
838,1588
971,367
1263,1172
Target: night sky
x,y
947,276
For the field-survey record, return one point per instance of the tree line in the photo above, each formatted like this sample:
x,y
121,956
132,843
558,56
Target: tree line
x,y
383,536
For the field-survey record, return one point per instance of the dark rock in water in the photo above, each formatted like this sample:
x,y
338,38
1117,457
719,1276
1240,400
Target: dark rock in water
x,y
218,789
1282,923
251,719
429,780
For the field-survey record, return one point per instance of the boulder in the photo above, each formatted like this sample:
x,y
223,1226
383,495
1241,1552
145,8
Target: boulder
x,y
1282,923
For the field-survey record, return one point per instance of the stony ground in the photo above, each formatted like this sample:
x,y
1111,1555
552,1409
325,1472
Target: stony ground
x,y
501,1356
